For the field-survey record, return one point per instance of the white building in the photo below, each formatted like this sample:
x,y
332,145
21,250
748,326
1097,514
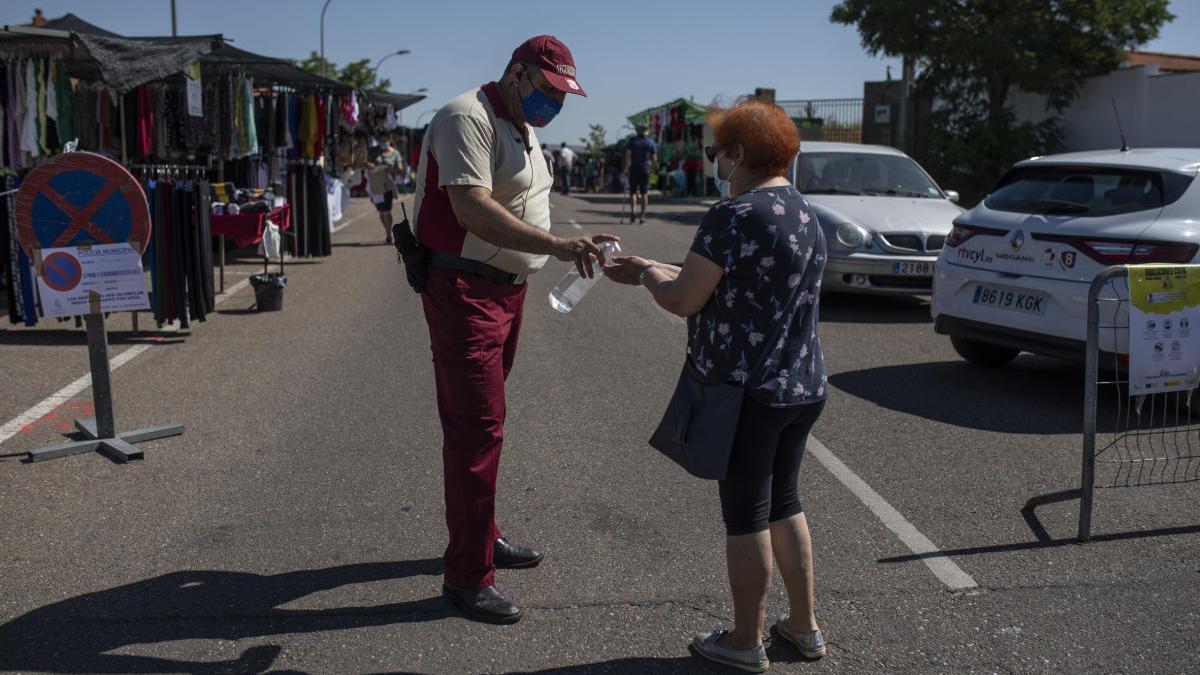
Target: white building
x,y
1157,95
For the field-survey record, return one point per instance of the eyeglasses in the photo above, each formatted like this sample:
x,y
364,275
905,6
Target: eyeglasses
x,y
710,152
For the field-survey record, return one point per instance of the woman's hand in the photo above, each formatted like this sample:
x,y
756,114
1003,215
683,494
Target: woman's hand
x,y
626,270
584,251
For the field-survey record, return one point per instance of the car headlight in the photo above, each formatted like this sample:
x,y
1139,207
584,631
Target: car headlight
x,y
850,235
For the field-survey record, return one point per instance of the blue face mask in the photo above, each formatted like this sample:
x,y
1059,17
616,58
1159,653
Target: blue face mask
x,y
539,108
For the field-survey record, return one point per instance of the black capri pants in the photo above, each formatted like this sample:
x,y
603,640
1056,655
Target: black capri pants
x,y
762,484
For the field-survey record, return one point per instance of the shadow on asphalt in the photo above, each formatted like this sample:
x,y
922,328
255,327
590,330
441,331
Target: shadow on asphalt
x,y
84,634
75,338
691,218
1043,543
849,308
776,653
1032,395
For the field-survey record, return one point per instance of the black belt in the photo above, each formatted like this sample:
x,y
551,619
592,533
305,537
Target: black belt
x,y
448,261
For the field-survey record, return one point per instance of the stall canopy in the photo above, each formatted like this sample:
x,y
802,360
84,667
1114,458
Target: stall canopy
x,y
398,101
122,63
112,55
693,112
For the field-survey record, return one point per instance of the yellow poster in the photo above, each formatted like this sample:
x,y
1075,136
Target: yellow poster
x,y
1164,328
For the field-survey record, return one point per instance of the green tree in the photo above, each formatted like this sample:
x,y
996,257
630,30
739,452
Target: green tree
x,y
357,74
595,143
971,55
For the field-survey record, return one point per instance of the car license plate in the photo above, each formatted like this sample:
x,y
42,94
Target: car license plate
x,y
913,269
1029,302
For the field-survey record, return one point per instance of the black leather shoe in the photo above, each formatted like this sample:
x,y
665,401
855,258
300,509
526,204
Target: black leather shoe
x,y
508,556
483,604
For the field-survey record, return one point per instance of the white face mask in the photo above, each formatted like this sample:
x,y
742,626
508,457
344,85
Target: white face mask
x,y
723,184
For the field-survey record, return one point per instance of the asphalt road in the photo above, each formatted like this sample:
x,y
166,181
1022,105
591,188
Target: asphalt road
x,y
297,526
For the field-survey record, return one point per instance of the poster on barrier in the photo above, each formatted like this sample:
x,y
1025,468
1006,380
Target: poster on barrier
x,y
1164,328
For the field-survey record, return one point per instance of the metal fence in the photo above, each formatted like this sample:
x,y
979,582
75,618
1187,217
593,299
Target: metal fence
x,y
827,119
1128,440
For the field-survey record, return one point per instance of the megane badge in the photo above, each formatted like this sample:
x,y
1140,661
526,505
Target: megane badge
x,y
1018,240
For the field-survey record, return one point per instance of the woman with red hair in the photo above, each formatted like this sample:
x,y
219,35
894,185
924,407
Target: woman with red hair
x,y
750,288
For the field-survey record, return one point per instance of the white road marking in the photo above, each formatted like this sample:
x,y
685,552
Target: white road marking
x,y
575,225
14,426
942,567
350,222
39,410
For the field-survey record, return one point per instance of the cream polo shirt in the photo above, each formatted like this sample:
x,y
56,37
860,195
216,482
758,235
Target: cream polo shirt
x,y
473,141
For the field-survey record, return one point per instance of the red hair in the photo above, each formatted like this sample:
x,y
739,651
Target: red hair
x,y
769,136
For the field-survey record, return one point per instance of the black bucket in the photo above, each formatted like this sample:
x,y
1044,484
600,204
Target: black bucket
x,y
268,291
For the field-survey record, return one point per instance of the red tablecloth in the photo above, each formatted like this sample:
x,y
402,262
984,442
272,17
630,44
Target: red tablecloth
x,y
246,229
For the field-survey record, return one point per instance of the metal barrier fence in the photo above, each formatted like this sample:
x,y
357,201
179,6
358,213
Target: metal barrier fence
x,y
827,119
1128,440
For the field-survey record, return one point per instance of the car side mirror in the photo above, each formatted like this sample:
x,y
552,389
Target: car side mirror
x,y
952,195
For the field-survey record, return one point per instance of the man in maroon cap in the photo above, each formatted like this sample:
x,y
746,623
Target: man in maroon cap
x,y
482,208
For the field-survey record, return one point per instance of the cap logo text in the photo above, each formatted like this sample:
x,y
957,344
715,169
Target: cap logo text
x,y
564,69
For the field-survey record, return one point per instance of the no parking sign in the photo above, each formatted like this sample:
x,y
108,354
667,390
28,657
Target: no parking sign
x,y
84,220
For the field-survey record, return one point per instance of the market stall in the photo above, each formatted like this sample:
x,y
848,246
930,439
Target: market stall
x,y
680,131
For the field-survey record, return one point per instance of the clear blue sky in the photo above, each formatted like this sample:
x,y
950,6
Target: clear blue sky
x,y
630,54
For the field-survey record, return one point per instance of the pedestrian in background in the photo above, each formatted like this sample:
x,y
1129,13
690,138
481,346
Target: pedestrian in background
x,y
381,182
641,154
549,157
566,165
483,212
750,287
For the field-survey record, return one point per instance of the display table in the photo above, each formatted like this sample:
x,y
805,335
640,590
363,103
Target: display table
x,y
246,229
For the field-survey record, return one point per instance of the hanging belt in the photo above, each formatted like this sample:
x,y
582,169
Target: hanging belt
x,y
449,261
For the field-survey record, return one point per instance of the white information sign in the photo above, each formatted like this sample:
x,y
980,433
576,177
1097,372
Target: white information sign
x,y
1164,328
108,276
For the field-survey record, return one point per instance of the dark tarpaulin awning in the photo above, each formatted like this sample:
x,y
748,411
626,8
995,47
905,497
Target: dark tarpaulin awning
x,y
220,54
121,63
264,69
398,101
125,64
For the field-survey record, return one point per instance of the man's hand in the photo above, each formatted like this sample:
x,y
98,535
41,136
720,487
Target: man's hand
x,y
582,250
626,271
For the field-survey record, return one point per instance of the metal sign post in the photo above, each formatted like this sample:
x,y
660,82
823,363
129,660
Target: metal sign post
x,y
101,430
83,200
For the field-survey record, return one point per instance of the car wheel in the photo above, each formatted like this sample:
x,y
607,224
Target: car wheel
x,y
982,353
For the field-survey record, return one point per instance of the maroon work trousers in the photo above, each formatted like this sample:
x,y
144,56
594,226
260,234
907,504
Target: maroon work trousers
x,y
473,328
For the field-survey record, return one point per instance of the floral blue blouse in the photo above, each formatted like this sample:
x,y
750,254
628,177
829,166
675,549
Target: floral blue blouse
x,y
773,253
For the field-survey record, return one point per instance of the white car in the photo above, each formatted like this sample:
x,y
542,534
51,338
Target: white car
x,y
1015,272
884,218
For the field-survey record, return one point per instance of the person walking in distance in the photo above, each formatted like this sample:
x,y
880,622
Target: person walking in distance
x,y
549,157
482,211
381,185
566,165
641,154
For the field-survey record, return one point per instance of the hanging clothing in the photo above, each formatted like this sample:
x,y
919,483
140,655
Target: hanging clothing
x,y
179,257
308,126
27,91
322,125
64,98
145,122
249,124
40,73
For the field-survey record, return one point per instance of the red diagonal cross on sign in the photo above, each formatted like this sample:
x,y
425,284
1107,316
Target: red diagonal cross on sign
x,y
130,224
81,219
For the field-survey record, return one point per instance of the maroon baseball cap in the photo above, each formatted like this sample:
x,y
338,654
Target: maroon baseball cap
x,y
553,58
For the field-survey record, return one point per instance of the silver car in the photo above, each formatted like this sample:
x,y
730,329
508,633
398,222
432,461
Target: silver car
x,y
885,220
